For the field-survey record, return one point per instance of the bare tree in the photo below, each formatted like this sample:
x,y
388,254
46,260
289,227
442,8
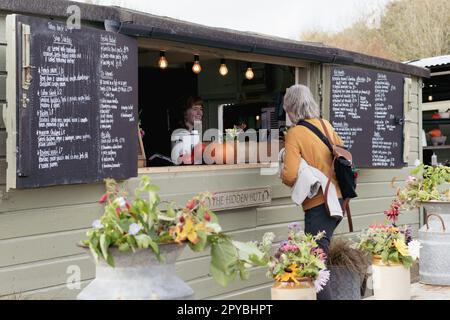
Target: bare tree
x,y
407,29
417,28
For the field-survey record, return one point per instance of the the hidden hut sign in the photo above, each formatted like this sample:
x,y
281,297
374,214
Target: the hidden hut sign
x,y
367,112
76,104
225,200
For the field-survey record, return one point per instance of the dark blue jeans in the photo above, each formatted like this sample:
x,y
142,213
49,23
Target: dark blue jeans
x,y
317,219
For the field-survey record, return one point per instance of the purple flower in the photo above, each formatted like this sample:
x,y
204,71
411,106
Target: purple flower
x,y
283,243
97,224
408,234
134,229
294,226
322,279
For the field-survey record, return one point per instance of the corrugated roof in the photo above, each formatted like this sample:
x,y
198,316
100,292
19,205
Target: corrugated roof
x,y
431,61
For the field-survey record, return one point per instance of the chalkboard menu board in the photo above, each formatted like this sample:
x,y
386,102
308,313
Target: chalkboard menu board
x,y
76,104
367,112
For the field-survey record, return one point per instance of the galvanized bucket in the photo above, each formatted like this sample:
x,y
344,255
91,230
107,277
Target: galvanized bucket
x,y
434,262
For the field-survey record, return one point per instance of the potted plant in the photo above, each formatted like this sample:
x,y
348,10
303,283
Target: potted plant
x,y
427,186
348,269
393,252
297,266
135,244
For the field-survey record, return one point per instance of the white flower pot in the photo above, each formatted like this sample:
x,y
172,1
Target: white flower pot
x,y
391,282
138,276
290,291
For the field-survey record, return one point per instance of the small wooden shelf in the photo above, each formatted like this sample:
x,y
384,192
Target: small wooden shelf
x,y
436,147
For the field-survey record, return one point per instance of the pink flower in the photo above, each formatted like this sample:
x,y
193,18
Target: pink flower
x,y
320,253
393,213
103,198
190,204
289,247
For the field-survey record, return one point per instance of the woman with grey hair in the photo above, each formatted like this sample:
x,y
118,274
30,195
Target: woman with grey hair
x,y
302,143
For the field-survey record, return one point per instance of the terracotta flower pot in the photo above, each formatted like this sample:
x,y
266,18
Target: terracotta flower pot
x,y
291,291
138,276
390,281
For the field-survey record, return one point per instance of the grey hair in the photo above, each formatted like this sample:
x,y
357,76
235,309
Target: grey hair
x,y
300,104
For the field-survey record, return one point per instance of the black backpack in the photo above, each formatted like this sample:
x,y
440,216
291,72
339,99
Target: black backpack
x,y
342,166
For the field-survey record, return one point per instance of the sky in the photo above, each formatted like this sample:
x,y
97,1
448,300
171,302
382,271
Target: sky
x,y
283,18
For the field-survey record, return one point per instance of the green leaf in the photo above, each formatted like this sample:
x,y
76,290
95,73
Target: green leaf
x,y
124,247
143,240
249,252
394,257
104,244
385,256
244,272
165,237
155,248
170,212
110,260
95,252
220,276
223,254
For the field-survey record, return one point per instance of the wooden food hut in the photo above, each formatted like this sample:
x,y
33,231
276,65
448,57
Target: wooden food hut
x,y
72,99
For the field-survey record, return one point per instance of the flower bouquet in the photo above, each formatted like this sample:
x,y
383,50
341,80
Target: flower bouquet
x,y
298,263
393,252
389,244
426,183
129,226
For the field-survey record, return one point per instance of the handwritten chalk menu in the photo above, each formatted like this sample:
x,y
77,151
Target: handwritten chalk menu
x,y
77,117
366,109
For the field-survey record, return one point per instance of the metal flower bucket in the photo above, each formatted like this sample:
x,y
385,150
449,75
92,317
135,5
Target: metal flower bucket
x,y
434,262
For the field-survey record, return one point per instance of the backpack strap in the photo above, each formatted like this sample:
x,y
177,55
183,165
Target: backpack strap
x,y
346,205
317,132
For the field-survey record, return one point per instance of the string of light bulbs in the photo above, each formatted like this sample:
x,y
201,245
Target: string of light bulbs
x,y
197,68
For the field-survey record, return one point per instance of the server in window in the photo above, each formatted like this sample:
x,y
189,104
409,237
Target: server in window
x,y
187,135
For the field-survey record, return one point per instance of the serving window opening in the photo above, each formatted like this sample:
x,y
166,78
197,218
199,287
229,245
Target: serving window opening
x,y
191,104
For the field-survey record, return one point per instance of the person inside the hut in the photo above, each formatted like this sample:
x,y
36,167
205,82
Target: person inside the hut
x,y
307,166
187,136
191,112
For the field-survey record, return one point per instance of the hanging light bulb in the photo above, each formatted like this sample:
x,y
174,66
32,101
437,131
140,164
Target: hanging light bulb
x,y
223,70
196,67
430,98
249,73
162,62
